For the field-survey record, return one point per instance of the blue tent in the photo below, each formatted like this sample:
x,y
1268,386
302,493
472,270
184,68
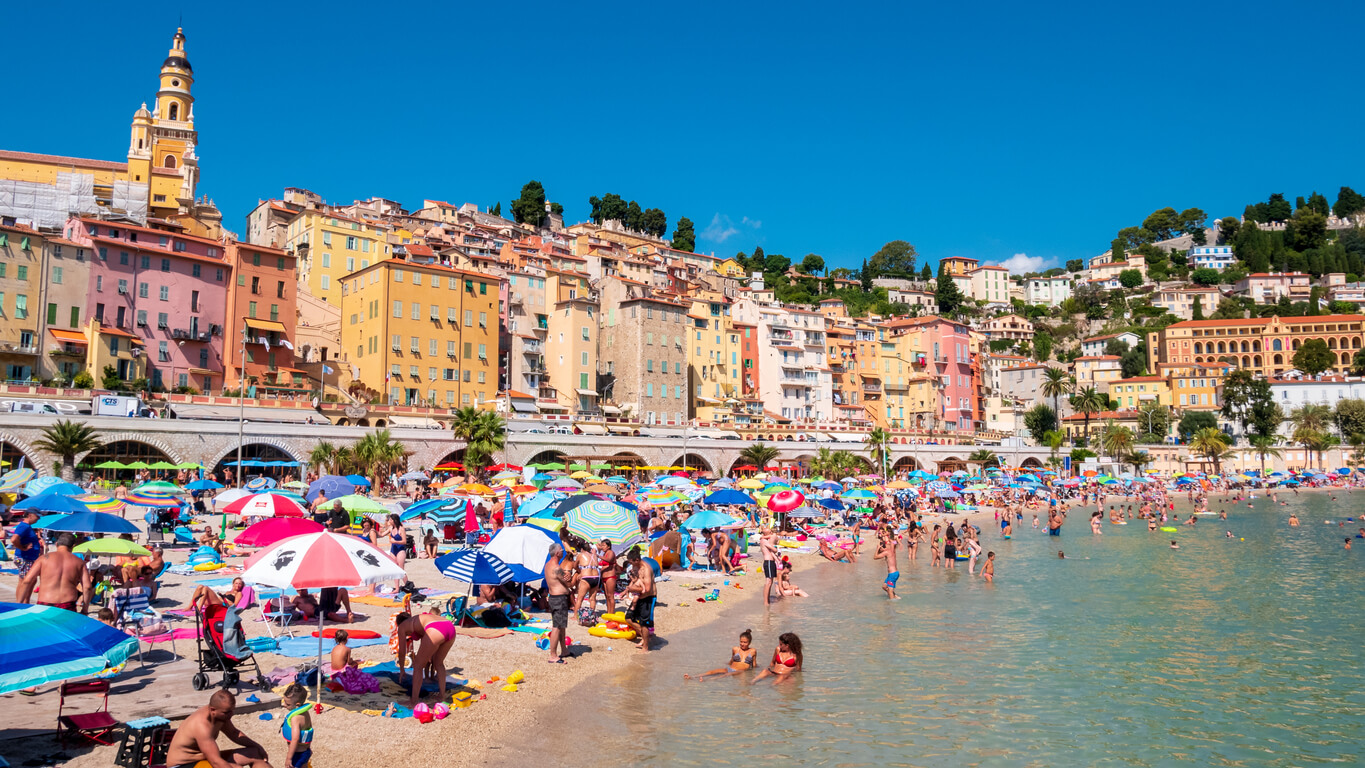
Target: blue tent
x,y
44,644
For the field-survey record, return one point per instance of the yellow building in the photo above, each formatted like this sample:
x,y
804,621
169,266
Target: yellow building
x,y
110,347
331,246
422,333
958,265
730,268
21,289
714,364
158,180
1132,392
571,343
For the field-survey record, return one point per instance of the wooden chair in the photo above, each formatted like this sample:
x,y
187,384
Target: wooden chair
x,y
95,725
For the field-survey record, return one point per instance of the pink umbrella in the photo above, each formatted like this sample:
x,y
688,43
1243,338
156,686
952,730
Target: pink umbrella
x,y
471,519
264,505
267,532
785,501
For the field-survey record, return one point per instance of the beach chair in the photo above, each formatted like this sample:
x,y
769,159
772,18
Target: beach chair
x,y
94,726
185,536
155,535
134,614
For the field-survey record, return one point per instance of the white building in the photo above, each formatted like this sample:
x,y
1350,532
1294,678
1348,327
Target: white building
x,y
1216,257
1095,344
990,284
1292,392
794,378
1047,291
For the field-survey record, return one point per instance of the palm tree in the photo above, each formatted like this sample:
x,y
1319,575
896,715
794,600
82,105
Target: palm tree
x,y
983,457
67,439
1357,443
1138,459
1311,416
485,436
1089,401
1315,442
823,463
465,419
1054,440
344,460
1056,384
758,455
1212,444
1264,445
876,442
1116,440
323,457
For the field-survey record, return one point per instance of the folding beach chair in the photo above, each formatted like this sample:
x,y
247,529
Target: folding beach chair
x,y
95,725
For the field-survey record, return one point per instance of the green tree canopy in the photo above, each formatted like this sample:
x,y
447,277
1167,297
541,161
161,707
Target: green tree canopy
x,y
1130,278
947,294
685,237
654,222
1163,224
1349,202
1193,421
1206,276
1314,357
1349,416
1039,420
812,264
895,259
1042,346
529,209
1076,265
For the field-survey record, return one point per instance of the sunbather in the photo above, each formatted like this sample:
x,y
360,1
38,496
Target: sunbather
x,y
742,658
203,597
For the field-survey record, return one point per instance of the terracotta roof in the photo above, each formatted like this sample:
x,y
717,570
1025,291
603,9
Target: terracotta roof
x,y
76,162
1099,357
519,395
1100,416
1137,379
1278,274
1107,336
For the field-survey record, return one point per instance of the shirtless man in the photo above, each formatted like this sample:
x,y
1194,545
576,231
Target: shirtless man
x,y
886,550
767,543
197,738
60,577
639,617
558,580
1293,520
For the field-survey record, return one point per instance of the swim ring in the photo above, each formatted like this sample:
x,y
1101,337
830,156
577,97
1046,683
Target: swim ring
x,y
618,616
1169,529
208,566
602,630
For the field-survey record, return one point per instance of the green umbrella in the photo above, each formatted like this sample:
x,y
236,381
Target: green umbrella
x,y
159,486
600,466
357,504
112,547
163,465
188,465
137,465
110,465
554,465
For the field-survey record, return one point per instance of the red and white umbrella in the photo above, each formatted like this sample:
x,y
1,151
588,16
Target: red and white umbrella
x,y
264,505
267,532
319,560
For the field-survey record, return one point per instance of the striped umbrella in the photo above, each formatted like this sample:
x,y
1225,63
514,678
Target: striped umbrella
x,y
601,519
935,486
45,644
151,499
474,567
267,532
99,502
160,486
264,505
51,484
657,497
451,512
15,479
260,484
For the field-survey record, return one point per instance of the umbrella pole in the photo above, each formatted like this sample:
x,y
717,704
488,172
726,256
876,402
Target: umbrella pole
x,y
319,701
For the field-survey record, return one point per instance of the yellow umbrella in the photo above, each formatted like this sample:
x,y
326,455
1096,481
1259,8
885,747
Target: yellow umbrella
x,y
580,474
602,488
898,484
750,484
476,488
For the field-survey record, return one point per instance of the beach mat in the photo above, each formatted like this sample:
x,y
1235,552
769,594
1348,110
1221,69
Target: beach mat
x,y
215,583
382,602
307,647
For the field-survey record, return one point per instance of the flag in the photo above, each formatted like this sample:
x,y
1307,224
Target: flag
x,y
285,343
327,369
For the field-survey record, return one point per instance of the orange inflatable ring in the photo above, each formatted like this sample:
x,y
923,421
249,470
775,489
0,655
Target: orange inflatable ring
x,y
353,634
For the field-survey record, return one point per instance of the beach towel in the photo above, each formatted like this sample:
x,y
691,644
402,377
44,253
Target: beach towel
x,y
383,602
354,681
307,647
484,633
389,671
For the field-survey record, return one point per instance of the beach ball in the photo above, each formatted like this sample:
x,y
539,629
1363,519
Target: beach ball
x,y
785,501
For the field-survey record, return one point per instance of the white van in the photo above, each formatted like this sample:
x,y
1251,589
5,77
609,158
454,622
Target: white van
x,y
31,407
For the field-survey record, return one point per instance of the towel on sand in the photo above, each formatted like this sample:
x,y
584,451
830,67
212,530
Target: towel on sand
x,y
307,647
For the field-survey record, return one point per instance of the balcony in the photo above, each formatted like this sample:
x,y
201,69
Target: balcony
x,y
870,387
530,347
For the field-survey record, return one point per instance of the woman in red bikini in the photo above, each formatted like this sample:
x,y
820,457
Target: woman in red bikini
x,y
434,635
786,659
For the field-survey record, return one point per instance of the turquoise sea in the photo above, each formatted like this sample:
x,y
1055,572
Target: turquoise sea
x,y
1241,652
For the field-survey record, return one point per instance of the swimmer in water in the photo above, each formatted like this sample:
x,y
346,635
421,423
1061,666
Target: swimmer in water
x,y
1348,545
1293,520
1174,545
1229,534
1061,555
742,658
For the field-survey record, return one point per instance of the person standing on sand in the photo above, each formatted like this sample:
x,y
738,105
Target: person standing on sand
x,y
195,742
640,617
886,550
60,576
557,584
767,543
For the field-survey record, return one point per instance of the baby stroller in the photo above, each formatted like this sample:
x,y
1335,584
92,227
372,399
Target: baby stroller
x,y
222,647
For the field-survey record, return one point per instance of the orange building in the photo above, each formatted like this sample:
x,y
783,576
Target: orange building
x,y
1263,345
263,298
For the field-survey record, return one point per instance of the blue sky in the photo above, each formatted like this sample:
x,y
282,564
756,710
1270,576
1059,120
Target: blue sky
x,y
985,130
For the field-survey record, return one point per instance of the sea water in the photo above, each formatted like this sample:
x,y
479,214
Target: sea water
x,y
1242,651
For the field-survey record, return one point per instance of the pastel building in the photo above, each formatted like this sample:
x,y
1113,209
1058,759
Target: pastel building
x,y
943,351
263,300
1047,291
1217,257
168,290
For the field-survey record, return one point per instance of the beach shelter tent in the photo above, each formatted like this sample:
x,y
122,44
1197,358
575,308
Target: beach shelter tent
x,y
45,644
319,561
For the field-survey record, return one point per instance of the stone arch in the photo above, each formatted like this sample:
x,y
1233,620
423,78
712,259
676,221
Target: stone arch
x,y
1355,342
695,462
551,456
1031,462
263,450
905,465
1246,347
1256,361
1277,360
1294,345
1198,348
1256,346
1246,361
121,445
1345,358
12,448
1331,342
1276,345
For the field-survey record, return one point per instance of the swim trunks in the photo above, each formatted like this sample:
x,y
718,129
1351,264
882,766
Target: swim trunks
x,y
769,569
892,578
69,605
1054,531
642,612
559,611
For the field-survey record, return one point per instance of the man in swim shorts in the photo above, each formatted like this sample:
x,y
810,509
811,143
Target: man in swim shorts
x,y
557,585
767,543
886,550
62,579
196,740
640,617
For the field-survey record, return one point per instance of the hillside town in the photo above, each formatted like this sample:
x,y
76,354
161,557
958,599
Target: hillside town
x,y
122,275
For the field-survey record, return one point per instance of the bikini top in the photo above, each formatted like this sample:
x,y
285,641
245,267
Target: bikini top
x,y
777,659
747,658
305,735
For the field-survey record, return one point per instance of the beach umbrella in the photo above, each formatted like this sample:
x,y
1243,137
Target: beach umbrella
x,y
358,480
231,495
414,476
267,532
658,497
112,547
834,504
545,521
92,522
861,493
151,499
751,484
450,512
524,548
829,485
506,476
785,501
1028,477
672,481
540,501
334,486
603,488
709,518
260,484
806,512
599,519
137,465
51,484
294,485
357,504
567,503
318,561
15,479
949,495
159,486
162,465
110,465
565,482
265,505
52,502
580,474
618,480
728,497
203,485
45,644
98,502
474,567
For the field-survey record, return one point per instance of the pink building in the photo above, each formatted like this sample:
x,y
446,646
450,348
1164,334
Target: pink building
x,y
168,289
943,349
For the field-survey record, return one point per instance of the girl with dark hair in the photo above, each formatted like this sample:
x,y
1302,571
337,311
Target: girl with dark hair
x,y
786,659
742,658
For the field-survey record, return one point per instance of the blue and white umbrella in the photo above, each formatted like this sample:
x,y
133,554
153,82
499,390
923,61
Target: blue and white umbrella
x,y
474,567
524,549
260,484
93,522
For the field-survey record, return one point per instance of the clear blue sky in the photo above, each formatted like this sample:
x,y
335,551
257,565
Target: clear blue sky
x,y
983,130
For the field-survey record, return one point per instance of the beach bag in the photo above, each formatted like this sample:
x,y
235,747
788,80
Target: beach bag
x,y
587,617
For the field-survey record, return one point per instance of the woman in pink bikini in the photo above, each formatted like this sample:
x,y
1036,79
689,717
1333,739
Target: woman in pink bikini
x,y
434,635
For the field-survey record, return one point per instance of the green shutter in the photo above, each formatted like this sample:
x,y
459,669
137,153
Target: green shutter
x,y
23,244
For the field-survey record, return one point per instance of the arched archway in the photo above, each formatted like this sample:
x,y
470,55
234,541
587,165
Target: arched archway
x,y
905,465
952,464
1032,463
544,457
124,452
281,460
693,462
15,452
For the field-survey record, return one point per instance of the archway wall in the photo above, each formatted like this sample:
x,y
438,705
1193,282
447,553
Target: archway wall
x,y
33,456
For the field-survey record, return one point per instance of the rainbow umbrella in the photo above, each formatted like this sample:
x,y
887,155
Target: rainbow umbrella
x,y
157,499
45,644
15,479
601,519
161,487
99,502
49,484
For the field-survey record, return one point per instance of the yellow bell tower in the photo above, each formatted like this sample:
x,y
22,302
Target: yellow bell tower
x,y
161,152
